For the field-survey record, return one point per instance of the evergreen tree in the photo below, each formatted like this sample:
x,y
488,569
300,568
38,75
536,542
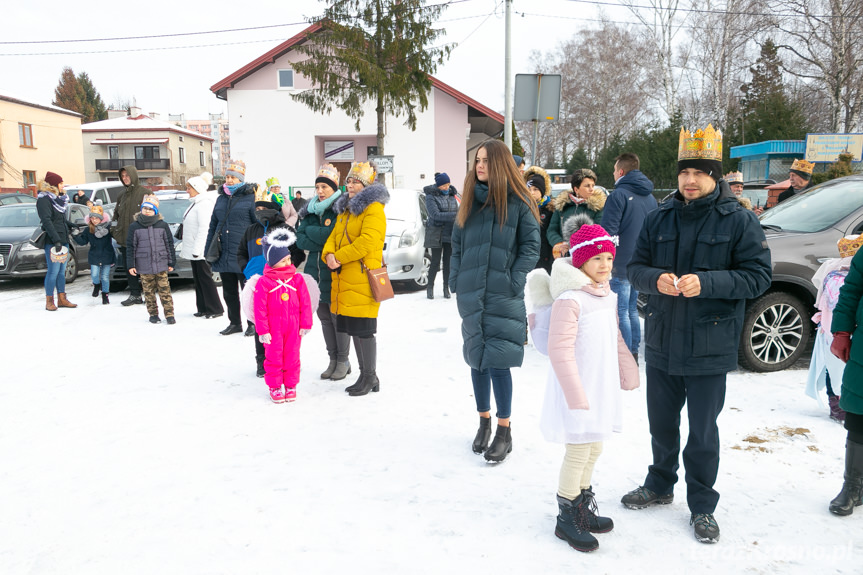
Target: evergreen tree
x,y
68,94
376,51
92,97
768,112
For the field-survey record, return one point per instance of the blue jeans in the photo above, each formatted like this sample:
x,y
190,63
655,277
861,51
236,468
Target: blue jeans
x,y
627,312
56,276
101,275
501,381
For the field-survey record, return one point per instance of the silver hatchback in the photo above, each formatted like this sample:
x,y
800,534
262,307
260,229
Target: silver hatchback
x,y
405,254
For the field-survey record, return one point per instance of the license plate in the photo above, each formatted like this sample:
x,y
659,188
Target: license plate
x,y
2,261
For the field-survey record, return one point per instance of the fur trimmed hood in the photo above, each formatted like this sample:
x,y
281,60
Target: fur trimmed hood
x,y
361,201
595,202
539,171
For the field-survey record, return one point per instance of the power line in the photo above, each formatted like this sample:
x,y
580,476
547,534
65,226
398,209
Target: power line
x,y
702,11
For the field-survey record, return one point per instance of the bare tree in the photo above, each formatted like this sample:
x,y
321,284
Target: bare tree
x,y
826,38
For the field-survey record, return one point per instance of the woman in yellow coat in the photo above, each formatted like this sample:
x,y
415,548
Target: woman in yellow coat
x,y
356,244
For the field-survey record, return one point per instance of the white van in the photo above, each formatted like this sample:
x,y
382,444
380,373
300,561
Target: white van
x,y
108,192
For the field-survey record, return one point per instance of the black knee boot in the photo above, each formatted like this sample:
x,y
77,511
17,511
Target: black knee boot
x,y
368,366
852,490
572,524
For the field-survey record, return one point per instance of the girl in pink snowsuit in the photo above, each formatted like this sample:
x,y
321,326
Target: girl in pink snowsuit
x,y
283,314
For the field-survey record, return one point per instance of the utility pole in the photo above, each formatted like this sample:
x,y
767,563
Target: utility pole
x,y
507,113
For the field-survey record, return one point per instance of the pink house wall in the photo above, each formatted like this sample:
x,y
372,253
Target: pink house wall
x,y
450,136
268,77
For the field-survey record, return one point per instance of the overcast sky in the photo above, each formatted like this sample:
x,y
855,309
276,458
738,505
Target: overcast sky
x,y
173,74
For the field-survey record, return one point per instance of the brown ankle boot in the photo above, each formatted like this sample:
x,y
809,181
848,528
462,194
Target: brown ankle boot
x,y
63,302
49,303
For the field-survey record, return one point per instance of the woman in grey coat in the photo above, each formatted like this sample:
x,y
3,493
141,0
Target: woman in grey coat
x,y
495,243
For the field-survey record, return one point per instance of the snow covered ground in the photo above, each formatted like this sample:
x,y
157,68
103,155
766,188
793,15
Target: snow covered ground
x,y
135,448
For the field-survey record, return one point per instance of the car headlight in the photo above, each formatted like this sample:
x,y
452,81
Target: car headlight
x,y
30,247
409,238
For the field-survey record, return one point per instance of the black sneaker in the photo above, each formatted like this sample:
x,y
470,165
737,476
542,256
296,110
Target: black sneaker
x,y
170,320
250,330
642,497
132,300
232,329
155,319
706,527
199,314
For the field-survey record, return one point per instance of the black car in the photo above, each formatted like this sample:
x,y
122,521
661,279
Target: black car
x,y
19,256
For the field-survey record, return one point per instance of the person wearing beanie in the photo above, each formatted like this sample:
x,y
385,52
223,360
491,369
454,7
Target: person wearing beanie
x,y
51,205
250,254
539,184
495,243
317,220
573,321
699,257
800,177
583,198
196,222
355,245
442,206
151,256
623,216
101,255
233,213
128,206
519,162
283,314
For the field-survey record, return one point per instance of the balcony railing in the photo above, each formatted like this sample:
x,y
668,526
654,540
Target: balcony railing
x,y
150,164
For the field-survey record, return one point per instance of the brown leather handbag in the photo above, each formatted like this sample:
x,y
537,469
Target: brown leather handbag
x,y
379,281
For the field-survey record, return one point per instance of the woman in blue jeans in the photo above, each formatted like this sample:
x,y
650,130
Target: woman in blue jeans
x,y
51,205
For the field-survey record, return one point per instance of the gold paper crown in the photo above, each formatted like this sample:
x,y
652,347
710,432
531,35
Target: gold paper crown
x,y
237,166
329,172
701,145
274,181
849,245
362,171
801,165
265,195
734,177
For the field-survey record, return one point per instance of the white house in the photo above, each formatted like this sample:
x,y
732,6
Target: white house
x,y
277,136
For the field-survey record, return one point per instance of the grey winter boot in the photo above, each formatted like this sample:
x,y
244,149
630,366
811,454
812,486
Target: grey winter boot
x,y
852,490
572,524
327,373
367,349
343,368
359,382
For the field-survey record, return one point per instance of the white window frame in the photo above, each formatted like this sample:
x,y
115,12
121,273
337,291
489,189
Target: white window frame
x,y
203,161
279,79
182,155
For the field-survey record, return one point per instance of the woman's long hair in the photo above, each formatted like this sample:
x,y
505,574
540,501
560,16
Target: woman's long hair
x,y
503,176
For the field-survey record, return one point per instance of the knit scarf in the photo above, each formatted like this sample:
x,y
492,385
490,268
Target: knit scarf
x,y
148,220
231,189
543,202
60,203
102,229
317,207
576,200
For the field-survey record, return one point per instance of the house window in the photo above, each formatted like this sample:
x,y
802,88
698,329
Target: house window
x,y
114,152
201,155
146,152
182,155
181,138
29,178
286,78
25,135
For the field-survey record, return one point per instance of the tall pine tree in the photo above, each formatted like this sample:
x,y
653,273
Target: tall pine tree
x,y
78,94
377,51
92,97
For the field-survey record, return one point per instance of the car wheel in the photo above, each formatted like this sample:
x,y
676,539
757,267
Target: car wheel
x,y
423,280
71,269
776,329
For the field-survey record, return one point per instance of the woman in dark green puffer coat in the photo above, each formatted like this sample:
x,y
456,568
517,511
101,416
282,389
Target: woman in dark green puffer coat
x,y
495,243
847,328
316,222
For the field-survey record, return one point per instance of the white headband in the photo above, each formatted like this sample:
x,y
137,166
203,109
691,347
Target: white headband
x,y
613,239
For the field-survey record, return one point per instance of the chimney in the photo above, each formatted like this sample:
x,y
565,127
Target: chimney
x,y
154,115
112,113
134,111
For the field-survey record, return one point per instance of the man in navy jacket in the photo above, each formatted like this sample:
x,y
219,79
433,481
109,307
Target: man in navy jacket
x,y
624,213
699,257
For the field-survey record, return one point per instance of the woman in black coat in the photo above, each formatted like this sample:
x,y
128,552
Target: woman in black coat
x,y
495,243
51,205
442,208
233,214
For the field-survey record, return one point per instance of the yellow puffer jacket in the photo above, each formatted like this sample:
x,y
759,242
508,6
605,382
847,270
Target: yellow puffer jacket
x,y
358,236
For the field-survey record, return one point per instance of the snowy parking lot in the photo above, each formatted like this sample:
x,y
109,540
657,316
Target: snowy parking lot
x,y
135,448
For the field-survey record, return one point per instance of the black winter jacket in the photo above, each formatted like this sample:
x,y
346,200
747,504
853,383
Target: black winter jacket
x,y
624,213
53,222
239,208
101,249
250,245
312,233
442,209
721,242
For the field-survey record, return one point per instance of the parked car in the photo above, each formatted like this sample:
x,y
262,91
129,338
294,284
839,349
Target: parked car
x,y
756,191
108,192
406,257
172,206
19,256
15,198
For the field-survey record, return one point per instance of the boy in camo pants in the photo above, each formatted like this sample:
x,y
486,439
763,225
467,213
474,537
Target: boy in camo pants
x,y
150,254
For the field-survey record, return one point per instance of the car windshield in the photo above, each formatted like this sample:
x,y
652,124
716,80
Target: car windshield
x,y
816,209
19,217
402,205
173,210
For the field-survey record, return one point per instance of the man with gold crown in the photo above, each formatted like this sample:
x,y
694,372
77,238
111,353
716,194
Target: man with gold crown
x,y
699,257
800,176
735,182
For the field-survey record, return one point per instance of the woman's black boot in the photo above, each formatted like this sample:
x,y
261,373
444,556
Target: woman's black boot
x,y
483,434
367,349
852,490
500,446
